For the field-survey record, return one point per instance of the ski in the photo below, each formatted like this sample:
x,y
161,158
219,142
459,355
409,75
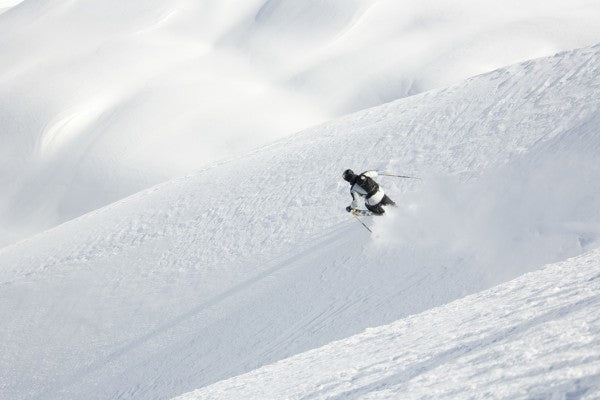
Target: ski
x,y
362,213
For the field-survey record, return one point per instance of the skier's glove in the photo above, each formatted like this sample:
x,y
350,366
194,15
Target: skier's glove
x,y
348,208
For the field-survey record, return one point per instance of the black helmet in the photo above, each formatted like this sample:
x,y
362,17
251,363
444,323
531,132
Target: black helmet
x,y
349,175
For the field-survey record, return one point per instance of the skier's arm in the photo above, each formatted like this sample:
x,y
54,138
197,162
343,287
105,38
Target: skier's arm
x,y
371,174
355,197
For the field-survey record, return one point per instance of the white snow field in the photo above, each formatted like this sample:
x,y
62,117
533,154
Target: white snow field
x,y
253,260
5,5
536,337
101,99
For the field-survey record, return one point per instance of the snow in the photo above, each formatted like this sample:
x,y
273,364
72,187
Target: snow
x,y
537,336
253,260
7,4
101,100
498,215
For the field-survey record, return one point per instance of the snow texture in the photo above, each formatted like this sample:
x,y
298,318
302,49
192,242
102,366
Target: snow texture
x,y
253,260
536,337
99,100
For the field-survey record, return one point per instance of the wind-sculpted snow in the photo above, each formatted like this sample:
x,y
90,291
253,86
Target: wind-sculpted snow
x,y
253,260
99,100
537,337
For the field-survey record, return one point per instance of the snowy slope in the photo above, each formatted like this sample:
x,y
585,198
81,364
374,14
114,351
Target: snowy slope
x,y
99,100
5,5
253,260
537,336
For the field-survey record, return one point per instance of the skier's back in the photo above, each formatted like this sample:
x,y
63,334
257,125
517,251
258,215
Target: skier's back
x,y
364,185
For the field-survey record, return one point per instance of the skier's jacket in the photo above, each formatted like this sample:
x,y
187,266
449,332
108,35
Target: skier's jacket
x,y
365,186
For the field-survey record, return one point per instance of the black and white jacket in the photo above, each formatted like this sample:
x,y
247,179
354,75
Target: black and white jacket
x,y
359,189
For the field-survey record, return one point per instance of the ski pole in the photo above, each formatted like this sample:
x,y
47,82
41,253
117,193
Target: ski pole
x,y
362,223
398,176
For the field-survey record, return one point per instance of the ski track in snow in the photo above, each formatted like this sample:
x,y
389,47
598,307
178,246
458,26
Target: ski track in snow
x,y
253,260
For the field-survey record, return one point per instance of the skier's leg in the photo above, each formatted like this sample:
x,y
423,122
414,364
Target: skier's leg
x,y
386,201
376,209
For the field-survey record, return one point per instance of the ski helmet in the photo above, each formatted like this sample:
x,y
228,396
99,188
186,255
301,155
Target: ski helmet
x,y
349,175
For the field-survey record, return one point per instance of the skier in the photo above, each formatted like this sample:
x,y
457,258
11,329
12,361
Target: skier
x,y
364,185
